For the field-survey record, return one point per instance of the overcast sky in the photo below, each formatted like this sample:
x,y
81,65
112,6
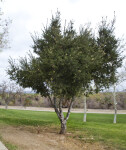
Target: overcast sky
x,y
29,16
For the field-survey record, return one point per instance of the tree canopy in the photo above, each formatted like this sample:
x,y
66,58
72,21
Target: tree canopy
x,y
68,62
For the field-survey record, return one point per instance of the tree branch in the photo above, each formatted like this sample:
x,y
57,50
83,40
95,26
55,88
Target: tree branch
x,y
69,109
50,101
60,110
55,107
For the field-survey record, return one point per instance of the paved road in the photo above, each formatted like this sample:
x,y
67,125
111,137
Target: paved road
x,y
74,110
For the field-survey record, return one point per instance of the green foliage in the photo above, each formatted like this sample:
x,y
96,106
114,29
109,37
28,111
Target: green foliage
x,y
112,49
68,62
27,102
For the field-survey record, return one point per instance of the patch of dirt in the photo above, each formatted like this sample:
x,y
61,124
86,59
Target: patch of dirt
x,y
27,138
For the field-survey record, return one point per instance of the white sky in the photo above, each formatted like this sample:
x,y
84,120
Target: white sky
x,y
30,15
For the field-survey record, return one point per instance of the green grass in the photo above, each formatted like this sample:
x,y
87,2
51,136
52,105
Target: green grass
x,y
8,145
98,126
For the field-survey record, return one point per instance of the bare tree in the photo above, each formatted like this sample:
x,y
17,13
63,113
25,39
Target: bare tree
x,y
19,93
3,31
8,92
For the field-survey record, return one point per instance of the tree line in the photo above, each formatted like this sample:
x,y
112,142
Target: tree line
x,y
17,96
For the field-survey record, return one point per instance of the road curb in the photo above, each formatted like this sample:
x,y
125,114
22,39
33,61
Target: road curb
x,y
2,147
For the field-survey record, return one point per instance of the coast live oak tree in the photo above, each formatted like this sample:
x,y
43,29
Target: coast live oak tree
x,y
66,64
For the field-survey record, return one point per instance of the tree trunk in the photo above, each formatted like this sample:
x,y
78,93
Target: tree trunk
x,y
85,109
59,112
63,127
6,106
115,105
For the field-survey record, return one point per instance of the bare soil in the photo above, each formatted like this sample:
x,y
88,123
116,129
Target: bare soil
x,y
34,138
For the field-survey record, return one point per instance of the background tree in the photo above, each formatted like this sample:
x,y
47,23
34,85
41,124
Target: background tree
x,y
66,64
115,103
121,77
19,93
112,48
8,92
88,91
3,31
85,108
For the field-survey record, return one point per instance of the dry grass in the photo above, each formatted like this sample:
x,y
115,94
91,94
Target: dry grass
x,y
27,138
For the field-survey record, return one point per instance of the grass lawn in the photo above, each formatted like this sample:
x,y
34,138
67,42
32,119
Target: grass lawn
x,y
99,127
